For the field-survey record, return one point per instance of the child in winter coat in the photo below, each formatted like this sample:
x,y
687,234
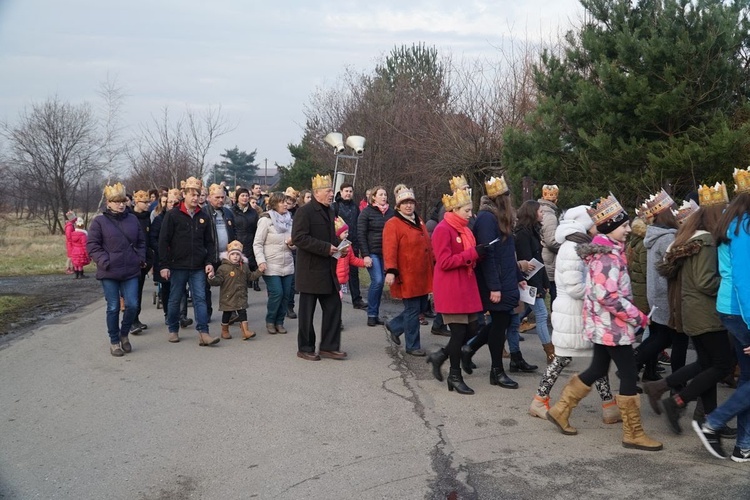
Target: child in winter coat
x,y
610,322
234,277
78,255
342,267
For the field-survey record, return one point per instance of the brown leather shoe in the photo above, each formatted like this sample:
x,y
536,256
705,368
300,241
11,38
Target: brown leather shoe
x,y
281,329
333,354
308,356
173,337
271,328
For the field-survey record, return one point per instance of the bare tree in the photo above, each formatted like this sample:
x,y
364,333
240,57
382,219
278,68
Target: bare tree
x,y
54,145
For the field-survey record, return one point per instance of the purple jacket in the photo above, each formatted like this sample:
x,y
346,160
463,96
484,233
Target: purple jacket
x,y
118,246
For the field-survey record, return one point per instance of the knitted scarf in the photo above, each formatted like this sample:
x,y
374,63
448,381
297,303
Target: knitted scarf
x,y
462,226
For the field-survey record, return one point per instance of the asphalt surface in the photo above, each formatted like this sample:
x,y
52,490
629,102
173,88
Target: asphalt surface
x,y
250,420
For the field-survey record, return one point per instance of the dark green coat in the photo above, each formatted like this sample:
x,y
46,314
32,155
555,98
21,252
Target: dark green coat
x,y
637,254
233,280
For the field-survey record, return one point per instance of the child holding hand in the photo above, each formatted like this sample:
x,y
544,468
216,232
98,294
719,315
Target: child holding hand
x,y
234,277
347,258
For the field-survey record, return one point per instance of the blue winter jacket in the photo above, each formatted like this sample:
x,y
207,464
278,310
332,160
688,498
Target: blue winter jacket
x,y
117,244
734,267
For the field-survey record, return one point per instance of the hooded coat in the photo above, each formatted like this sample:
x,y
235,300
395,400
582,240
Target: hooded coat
x,y
609,316
117,244
233,280
657,241
638,263
570,278
550,221
407,254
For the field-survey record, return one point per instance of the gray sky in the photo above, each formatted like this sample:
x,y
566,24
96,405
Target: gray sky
x,y
259,60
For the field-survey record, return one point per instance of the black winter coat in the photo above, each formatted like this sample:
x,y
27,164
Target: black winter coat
x,y
313,234
186,242
153,244
349,211
144,218
529,246
370,230
245,225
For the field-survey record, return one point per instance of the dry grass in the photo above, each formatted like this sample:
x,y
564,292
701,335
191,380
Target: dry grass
x,y
28,249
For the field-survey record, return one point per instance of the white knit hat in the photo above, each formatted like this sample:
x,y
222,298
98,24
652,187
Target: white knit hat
x,y
579,214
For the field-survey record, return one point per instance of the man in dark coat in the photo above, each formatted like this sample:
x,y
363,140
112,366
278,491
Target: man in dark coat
x,y
315,275
222,229
186,253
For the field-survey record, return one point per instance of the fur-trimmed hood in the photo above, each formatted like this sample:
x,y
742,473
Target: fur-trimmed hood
x,y
676,254
224,257
638,227
601,244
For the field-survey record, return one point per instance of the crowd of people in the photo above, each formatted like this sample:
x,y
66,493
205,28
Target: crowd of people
x,y
597,287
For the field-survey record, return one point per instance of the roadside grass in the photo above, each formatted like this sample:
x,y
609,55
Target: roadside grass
x,y
12,306
28,249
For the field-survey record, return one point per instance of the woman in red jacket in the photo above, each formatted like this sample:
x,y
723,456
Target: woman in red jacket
x,y
407,253
455,292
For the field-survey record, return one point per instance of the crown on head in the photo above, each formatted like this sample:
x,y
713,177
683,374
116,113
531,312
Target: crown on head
x,y
192,183
115,192
404,194
741,180
496,186
655,204
456,200
605,209
234,246
458,182
176,193
688,208
140,195
717,195
550,191
291,192
321,182
215,189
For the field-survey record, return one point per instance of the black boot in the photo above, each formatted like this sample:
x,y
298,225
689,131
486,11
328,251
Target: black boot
x,y
518,364
437,359
498,377
649,373
456,381
256,286
467,351
78,274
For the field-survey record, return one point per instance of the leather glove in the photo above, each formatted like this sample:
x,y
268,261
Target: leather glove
x,y
482,249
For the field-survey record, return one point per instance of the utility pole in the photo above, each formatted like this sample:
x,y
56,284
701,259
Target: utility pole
x,y
265,175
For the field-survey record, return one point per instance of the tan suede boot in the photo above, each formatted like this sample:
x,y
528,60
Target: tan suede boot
x,y
225,331
247,333
572,394
633,435
610,412
205,339
549,351
539,406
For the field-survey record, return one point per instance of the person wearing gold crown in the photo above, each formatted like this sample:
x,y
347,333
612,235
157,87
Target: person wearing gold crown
x,y
186,251
610,321
407,255
370,224
314,235
118,246
141,202
455,285
657,210
691,266
550,221
222,227
733,305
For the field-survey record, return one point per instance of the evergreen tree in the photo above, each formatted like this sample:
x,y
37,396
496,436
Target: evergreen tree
x,y
303,168
647,92
237,167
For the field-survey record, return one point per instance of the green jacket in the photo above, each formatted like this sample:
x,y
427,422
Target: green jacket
x,y
693,267
637,254
233,280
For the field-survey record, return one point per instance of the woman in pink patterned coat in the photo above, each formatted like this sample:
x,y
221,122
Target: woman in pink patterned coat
x,y
610,321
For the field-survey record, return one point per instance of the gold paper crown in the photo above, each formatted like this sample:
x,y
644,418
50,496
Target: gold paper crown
x,y
717,195
456,200
175,193
140,195
321,182
115,192
655,204
688,208
291,192
215,188
404,194
605,209
458,182
338,223
741,180
550,191
496,186
191,183
234,246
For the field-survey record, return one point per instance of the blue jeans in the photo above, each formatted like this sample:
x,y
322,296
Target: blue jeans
x,y
739,402
512,334
377,279
196,278
540,313
113,289
408,322
279,291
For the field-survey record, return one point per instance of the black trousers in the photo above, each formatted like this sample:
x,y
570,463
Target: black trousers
x,y
330,304
624,359
714,358
661,337
141,282
227,315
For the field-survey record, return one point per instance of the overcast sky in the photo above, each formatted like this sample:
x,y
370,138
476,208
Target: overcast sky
x,y
259,60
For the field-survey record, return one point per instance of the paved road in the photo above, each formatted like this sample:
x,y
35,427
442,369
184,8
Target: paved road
x,y
250,420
